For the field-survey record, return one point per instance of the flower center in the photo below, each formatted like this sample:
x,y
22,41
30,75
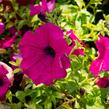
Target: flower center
x,y
48,0
50,51
42,17
1,82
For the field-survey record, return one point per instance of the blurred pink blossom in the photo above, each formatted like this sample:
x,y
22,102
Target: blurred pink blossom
x,y
6,79
8,41
74,38
103,82
78,52
102,61
45,6
2,27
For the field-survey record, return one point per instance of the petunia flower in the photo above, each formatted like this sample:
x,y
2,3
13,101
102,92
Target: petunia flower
x,y
102,61
9,74
6,79
74,38
1,1
2,41
8,41
78,52
44,54
45,6
2,27
102,82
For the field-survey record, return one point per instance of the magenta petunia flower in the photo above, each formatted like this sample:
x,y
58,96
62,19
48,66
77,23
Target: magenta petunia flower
x,y
8,41
2,27
35,9
78,52
102,61
6,79
45,6
44,54
102,82
9,71
1,1
74,38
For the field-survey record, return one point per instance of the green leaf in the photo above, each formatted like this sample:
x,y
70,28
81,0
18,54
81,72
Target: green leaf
x,y
58,95
16,70
21,24
20,95
13,63
80,3
9,96
47,104
16,106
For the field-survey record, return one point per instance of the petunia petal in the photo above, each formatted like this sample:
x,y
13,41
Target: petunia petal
x,y
5,86
57,68
78,52
106,60
51,5
3,71
37,39
2,27
54,36
44,7
100,44
29,58
40,72
65,61
72,36
103,82
35,9
96,67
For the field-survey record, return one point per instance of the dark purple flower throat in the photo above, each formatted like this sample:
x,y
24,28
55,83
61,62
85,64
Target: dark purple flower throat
x,y
50,51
